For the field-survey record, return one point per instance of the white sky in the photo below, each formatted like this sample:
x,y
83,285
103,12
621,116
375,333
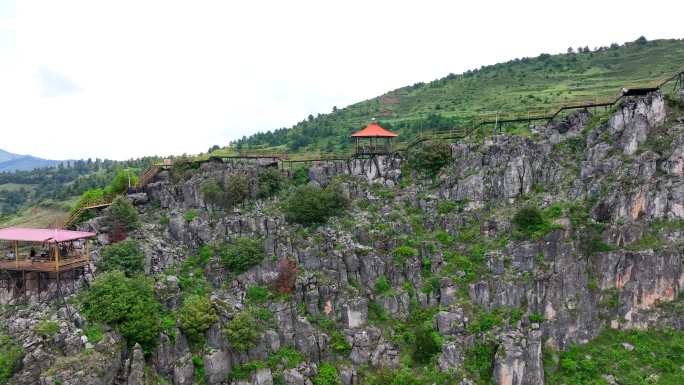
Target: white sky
x,y
121,79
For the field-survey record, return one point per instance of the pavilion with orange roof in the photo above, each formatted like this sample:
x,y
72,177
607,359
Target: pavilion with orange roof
x,y
373,140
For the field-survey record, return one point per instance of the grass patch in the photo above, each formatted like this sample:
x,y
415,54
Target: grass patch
x,y
657,358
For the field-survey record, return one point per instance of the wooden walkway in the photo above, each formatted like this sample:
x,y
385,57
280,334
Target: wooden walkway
x,y
451,134
48,267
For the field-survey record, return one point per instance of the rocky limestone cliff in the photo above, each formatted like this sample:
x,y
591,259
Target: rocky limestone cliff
x,y
611,260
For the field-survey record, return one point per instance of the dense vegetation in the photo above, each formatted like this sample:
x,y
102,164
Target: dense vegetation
x,y
10,358
121,217
630,357
128,304
196,316
125,256
241,254
520,85
311,205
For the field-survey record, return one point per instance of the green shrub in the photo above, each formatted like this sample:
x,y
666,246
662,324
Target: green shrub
x,y
430,158
530,223
122,217
126,256
402,253
285,357
428,343
10,358
591,241
200,373
88,198
270,182
657,358
382,285
119,184
237,189
327,375
164,220
339,342
300,176
376,313
94,332
242,331
444,238
196,316
485,321
243,371
536,317
192,279
479,362
47,329
242,254
257,295
213,193
190,215
445,207
234,191
127,304
311,205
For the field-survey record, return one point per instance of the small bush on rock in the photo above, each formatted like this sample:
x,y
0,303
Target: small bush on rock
x,y
270,182
382,285
300,176
10,358
126,256
530,223
327,375
213,192
428,343
479,362
242,331
196,316
127,304
47,329
121,217
119,184
429,158
237,188
234,191
311,205
240,255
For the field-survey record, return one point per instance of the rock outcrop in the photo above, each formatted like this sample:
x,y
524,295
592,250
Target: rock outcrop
x,y
446,247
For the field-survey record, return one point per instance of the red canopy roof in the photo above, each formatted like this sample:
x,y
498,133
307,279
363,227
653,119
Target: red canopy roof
x,y
42,235
374,130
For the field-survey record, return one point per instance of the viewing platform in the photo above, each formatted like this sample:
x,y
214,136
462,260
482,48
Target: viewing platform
x,y
373,140
43,250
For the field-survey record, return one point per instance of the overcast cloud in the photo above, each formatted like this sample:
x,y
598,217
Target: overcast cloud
x,y
122,79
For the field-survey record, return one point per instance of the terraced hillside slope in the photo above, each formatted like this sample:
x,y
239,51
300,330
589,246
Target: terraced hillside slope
x,y
519,86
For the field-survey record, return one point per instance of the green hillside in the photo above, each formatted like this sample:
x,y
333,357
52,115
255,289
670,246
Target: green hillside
x,y
518,86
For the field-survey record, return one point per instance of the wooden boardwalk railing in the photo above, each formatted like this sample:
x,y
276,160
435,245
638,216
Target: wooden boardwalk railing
x,y
450,134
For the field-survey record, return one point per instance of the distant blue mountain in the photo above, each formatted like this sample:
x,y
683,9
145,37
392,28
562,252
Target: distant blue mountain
x,y
5,156
15,162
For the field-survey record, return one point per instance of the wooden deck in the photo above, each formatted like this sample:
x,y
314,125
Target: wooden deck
x,y
49,267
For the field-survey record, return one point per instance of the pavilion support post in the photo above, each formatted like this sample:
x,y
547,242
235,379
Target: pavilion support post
x,y
61,294
87,247
56,253
16,253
